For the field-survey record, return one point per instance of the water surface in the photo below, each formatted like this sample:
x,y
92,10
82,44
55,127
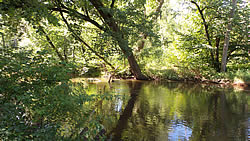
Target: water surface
x,y
157,111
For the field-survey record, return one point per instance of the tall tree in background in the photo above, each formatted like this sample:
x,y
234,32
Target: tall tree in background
x,y
227,37
155,14
218,21
204,22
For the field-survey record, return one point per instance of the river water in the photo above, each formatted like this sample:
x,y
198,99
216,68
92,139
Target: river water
x,y
160,111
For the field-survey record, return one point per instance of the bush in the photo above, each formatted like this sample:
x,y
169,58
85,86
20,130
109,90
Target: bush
x,y
37,101
243,75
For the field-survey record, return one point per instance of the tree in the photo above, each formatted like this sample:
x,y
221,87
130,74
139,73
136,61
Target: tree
x,y
117,35
227,37
212,20
207,33
111,27
154,15
80,12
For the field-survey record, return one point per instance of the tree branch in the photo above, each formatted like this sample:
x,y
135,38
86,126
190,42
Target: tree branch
x,y
204,22
73,12
82,41
112,4
52,45
158,10
86,10
144,37
107,16
206,29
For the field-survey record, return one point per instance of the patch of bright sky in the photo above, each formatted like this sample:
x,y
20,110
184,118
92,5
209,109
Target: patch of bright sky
x,y
181,7
25,42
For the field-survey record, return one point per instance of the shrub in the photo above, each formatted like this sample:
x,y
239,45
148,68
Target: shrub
x,y
37,101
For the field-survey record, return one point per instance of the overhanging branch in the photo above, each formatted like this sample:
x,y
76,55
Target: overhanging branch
x,y
52,45
73,12
82,41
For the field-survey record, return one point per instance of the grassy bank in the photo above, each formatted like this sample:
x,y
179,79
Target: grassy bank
x,y
239,77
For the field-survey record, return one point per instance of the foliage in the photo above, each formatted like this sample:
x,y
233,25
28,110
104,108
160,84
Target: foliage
x,y
185,48
39,102
43,44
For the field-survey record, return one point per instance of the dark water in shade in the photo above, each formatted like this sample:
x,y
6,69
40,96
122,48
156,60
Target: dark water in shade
x,y
151,111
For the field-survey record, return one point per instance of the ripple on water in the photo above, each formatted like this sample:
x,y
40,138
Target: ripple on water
x,y
178,131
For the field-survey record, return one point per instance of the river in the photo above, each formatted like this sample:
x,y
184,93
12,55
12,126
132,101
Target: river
x,y
157,111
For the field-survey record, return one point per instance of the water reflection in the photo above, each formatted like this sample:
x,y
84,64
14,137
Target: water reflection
x,y
175,111
118,106
178,131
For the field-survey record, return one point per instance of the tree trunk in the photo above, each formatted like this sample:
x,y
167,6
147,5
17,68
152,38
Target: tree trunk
x,y
217,44
207,33
73,52
119,37
132,62
123,44
65,53
226,42
135,68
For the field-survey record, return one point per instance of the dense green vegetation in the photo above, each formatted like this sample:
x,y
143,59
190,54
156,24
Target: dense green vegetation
x,y
142,38
45,43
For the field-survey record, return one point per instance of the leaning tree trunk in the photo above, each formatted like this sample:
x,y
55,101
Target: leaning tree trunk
x,y
135,68
119,37
226,42
123,44
131,59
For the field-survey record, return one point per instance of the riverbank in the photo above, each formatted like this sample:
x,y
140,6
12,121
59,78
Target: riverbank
x,y
237,84
239,78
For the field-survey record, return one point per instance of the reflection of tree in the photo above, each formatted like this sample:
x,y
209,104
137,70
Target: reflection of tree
x,y
123,120
211,113
216,118
163,111
105,108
